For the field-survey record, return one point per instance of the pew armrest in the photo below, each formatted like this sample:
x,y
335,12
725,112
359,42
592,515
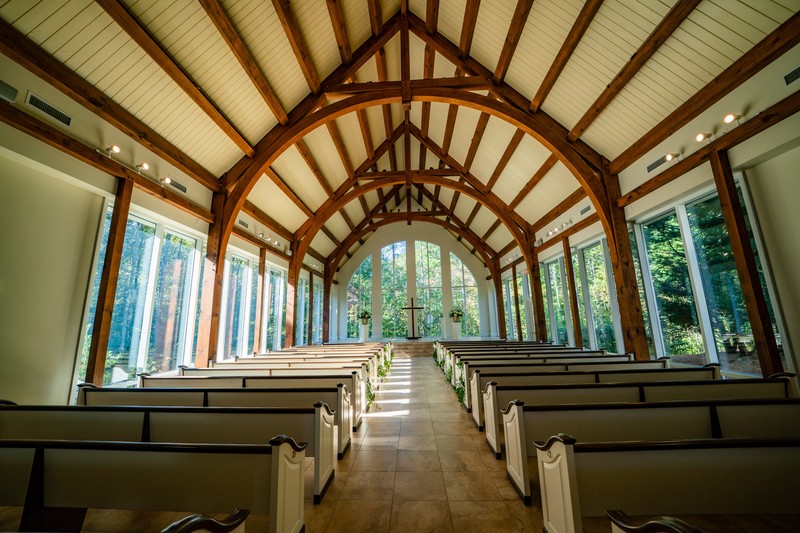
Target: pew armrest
x,y
561,510
201,522
490,415
286,505
516,449
621,523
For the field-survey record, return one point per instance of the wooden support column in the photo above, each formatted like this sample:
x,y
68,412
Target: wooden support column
x,y
538,298
260,303
326,304
752,292
630,305
498,293
573,294
310,317
516,301
107,292
291,295
211,301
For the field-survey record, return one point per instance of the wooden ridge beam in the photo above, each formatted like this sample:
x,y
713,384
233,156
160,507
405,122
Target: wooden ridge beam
x,y
679,12
471,83
273,225
562,207
55,138
518,22
285,189
585,17
414,172
785,37
141,36
429,213
298,43
764,120
245,58
26,53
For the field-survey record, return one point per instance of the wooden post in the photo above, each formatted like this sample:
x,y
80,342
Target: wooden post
x,y
752,292
211,301
498,293
310,317
327,281
101,329
538,297
516,301
630,305
292,278
260,303
573,294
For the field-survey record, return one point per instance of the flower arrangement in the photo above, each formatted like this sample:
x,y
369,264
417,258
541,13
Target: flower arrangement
x,y
457,314
364,315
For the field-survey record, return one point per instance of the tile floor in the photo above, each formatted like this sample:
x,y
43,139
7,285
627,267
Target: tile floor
x,y
419,464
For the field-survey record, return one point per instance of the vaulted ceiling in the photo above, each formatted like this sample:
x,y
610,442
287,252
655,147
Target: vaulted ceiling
x,y
204,84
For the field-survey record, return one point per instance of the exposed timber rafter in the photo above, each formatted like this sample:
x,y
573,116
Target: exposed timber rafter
x,y
562,207
263,218
298,43
285,189
518,22
141,36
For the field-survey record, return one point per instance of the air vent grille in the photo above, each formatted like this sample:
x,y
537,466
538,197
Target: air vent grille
x,y
7,92
657,163
792,76
178,185
48,109
586,209
243,224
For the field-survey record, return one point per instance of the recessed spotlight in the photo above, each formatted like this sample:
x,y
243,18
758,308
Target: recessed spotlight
x,y
731,117
700,137
113,149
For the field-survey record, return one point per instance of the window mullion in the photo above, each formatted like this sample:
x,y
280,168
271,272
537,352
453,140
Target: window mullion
x,y
567,308
612,294
192,285
649,293
149,299
587,301
550,308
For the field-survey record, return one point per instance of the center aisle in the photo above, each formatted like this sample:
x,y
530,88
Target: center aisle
x,y
419,464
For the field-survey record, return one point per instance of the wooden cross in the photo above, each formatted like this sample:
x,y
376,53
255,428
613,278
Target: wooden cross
x,y
413,308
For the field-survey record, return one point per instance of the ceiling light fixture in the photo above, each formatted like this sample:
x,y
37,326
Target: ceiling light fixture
x,y
166,181
731,117
700,137
260,235
142,166
113,149
671,156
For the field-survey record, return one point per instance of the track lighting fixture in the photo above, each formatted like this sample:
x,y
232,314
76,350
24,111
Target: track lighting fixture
x,y
671,156
731,117
703,137
142,166
113,149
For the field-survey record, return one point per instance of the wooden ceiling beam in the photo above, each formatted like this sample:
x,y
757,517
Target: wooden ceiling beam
x,y
457,221
308,157
507,248
762,121
364,206
785,37
507,155
518,22
475,143
141,36
329,234
679,12
298,43
585,17
427,73
570,231
26,53
267,221
432,16
53,137
468,26
245,58
414,172
563,206
316,255
375,16
286,190
340,30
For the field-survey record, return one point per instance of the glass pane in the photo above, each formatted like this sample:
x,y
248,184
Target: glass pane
x,y
521,280
730,324
428,258
557,291
597,278
648,330
273,340
581,300
232,315
167,330
359,297
545,300
129,304
98,271
316,331
465,296
511,310
199,301
674,298
251,323
394,294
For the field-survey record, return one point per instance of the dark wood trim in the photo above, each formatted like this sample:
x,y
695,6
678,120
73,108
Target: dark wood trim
x,y
251,209
562,207
785,37
516,301
27,54
743,255
290,194
142,36
573,294
572,230
107,292
679,12
502,331
538,297
284,10
327,279
211,296
761,122
518,22
574,36
245,58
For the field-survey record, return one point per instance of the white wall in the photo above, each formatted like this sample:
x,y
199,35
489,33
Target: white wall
x,y
48,230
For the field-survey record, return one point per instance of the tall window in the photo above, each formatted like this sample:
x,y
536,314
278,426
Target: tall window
x,y
522,281
583,302
546,299
276,302
233,337
429,288
511,309
359,297
316,326
600,297
301,325
555,286
394,293
677,314
465,296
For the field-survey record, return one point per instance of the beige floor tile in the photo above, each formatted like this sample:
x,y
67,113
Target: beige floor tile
x,y
484,516
470,486
416,428
455,442
360,516
421,517
461,461
419,486
453,428
369,486
417,442
528,518
375,461
317,516
379,442
418,461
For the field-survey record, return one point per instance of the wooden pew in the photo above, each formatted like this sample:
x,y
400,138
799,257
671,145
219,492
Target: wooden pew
x,y
717,476
612,422
56,481
288,368
218,425
337,397
517,367
228,379
644,391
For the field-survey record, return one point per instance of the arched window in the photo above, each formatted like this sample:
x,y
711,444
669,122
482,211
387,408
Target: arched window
x,y
394,292
429,287
465,296
359,297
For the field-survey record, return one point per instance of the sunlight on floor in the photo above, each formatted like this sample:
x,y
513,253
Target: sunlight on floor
x,y
385,414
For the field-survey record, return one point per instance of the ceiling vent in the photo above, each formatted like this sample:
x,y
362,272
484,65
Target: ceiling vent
x,y
243,224
657,163
792,76
48,109
178,185
7,92
586,209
